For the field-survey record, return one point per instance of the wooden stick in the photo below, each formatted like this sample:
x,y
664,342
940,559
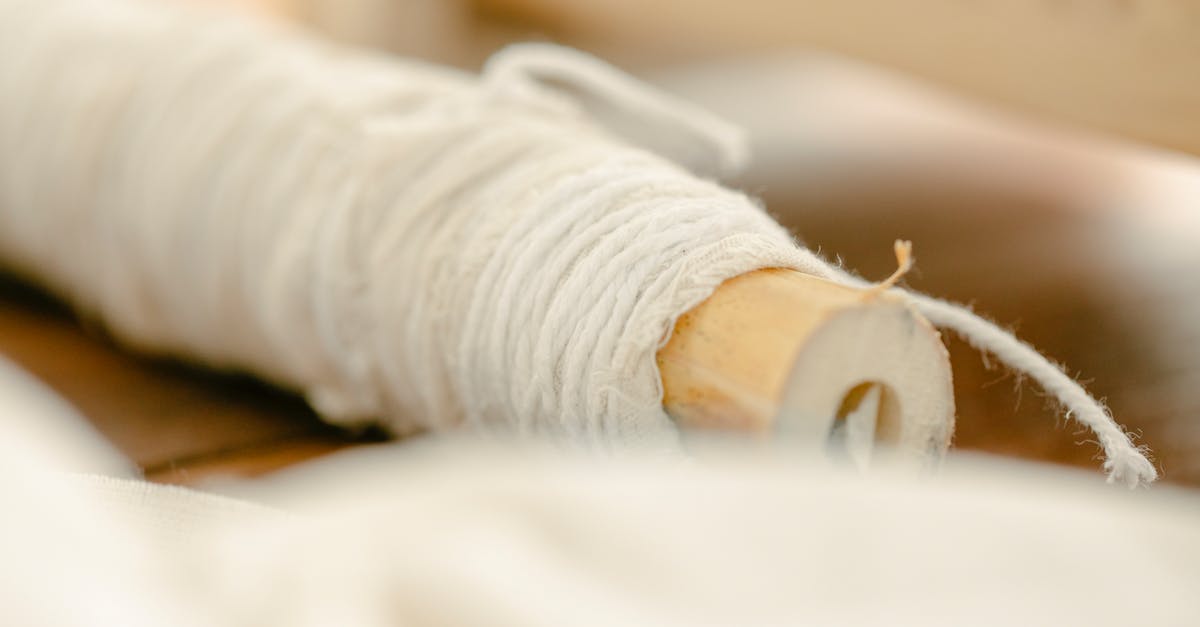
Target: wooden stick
x,y
777,351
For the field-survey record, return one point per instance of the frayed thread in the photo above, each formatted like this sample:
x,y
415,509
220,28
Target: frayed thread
x,y
1124,463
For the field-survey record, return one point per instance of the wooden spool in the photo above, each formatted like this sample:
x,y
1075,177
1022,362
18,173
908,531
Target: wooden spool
x,y
777,352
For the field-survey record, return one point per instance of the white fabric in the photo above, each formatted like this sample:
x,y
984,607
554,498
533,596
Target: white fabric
x,y
55,431
458,534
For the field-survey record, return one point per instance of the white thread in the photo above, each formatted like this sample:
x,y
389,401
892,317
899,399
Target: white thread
x,y
396,240
668,126
1123,462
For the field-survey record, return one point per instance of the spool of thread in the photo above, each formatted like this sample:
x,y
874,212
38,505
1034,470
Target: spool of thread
x,y
408,244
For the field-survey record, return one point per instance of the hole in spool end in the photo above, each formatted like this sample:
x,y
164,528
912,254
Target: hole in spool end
x,y
868,415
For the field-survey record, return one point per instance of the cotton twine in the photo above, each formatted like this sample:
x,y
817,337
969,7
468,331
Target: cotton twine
x,y
403,242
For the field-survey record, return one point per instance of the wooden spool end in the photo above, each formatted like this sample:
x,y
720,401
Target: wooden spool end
x,y
780,352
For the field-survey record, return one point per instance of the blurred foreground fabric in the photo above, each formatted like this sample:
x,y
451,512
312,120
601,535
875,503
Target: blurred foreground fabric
x,y
455,532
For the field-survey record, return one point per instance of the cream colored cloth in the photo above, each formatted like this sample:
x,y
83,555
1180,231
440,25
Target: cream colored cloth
x,y
455,533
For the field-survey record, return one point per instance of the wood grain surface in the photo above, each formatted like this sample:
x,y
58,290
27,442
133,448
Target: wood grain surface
x,y
1110,294
179,424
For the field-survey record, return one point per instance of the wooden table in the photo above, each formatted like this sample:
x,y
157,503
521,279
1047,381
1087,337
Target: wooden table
x,y
1113,294
179,424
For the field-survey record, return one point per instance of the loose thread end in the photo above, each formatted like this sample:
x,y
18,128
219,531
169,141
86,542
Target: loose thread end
x,y
1124,463
1129,466
904,264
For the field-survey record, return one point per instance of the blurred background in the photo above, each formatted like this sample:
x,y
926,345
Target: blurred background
x,y
1036,153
